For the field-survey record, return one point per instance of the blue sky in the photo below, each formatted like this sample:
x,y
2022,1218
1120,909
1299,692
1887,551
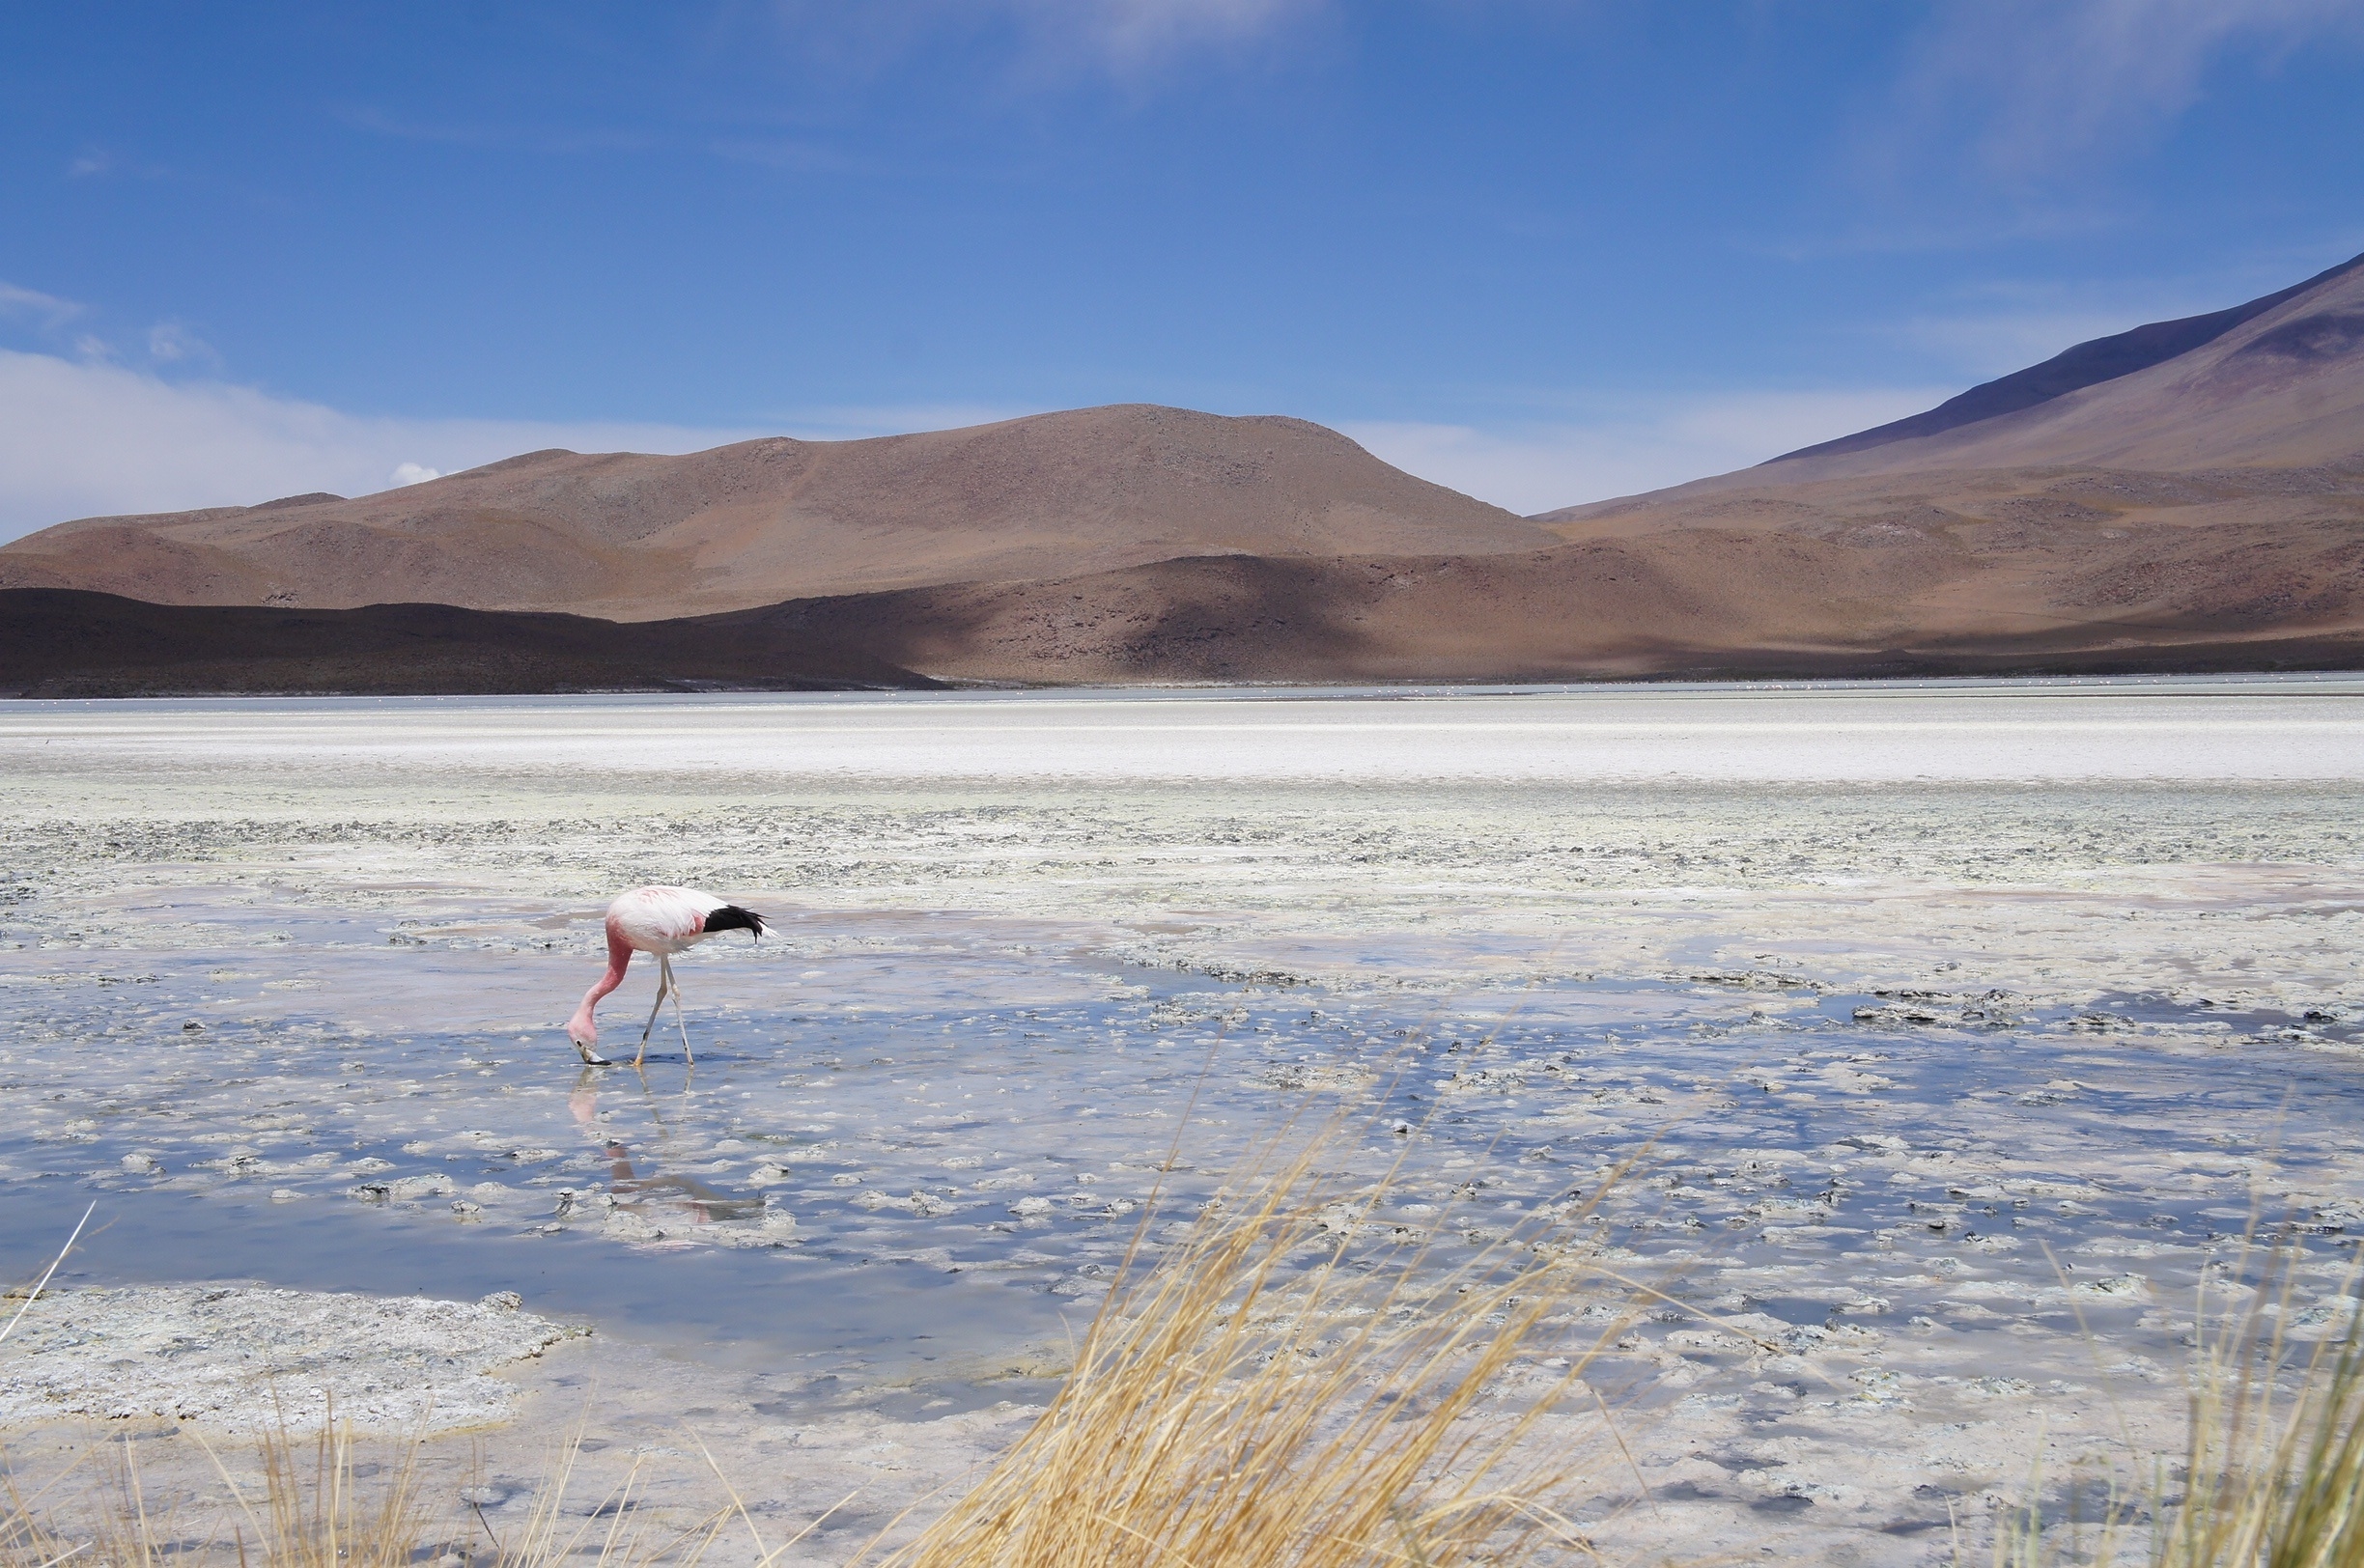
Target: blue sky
x,y
1543,250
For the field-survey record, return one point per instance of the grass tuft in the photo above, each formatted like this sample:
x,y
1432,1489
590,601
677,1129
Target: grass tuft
x,y
1295,1384
2273,1477
2273,1472
1269,1394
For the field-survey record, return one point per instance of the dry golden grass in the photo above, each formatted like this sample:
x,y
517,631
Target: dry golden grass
x,y
2273,1472
1280,1388
1292,1385
326,1518
323,1504
2271,1477
1266,1395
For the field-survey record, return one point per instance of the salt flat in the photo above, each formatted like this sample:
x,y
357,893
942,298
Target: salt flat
x,y
2199,728
1942,1016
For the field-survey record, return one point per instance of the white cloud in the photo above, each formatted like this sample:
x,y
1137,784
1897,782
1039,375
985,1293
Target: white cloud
x,y
93,439
2055,85
1537,466
406,474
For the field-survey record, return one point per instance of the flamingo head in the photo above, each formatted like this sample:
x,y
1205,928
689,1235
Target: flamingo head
x,y
582,1033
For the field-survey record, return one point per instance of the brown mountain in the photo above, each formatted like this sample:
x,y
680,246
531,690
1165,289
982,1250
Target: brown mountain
x,y
632,537
2183,496
2188,495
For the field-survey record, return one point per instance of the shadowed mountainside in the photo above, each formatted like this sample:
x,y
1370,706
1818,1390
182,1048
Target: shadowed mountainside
x,y
68,643
1701,605
1608,610
631,537
1697,602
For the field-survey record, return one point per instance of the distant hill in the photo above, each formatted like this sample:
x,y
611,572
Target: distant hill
x,y
631,537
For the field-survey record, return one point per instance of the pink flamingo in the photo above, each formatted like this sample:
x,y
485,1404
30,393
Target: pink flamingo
x,y
663,921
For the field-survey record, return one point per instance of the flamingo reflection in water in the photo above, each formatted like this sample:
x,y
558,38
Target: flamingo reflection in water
x,y
654,1194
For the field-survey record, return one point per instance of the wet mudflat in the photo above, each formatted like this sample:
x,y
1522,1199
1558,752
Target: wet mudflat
x,y
1956,1034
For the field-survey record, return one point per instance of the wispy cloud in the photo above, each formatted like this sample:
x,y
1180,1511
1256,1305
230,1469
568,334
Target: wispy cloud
x,y
2004,324
855,422
96,162
1645,444
92,438
47,315
170,343
1995,343
1123,37
2050,88
44,310
794,156
1131,33
529,137
2007,324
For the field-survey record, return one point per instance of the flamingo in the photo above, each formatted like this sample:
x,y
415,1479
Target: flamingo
x,y
663,921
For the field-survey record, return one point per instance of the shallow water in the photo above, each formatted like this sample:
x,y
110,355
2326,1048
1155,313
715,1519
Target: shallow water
x,y
964,1135
1949,1023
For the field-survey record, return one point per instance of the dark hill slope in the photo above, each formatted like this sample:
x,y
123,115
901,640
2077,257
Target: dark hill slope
x,y
1701,605
67,643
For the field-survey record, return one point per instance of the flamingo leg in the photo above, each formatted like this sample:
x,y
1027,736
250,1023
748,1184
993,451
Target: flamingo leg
x,y
678,1020
679,1023
664,983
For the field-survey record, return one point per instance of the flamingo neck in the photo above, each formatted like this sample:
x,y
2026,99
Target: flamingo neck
x,y
583,1026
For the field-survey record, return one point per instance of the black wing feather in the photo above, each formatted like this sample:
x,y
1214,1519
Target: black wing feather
x,y
731,917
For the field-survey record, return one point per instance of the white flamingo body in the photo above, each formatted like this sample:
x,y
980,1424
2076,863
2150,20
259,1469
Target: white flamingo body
x,y
663,921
